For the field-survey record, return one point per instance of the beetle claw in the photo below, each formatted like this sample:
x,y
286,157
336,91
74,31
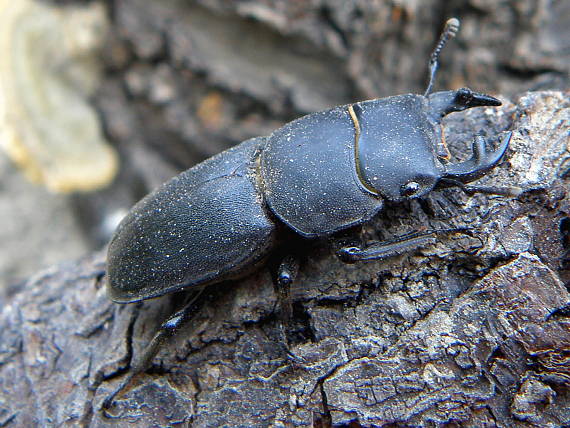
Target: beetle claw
x,y
110,399
480,162
297,360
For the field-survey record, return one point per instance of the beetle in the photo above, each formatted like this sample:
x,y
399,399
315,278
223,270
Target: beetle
x,y
316,176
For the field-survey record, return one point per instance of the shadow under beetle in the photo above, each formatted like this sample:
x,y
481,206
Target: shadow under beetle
x,y
318,175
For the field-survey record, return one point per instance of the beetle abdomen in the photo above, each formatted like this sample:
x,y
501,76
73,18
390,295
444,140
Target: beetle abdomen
x,y
203,224
309,174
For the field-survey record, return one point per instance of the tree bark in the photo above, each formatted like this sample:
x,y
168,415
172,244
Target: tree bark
x,y
473,330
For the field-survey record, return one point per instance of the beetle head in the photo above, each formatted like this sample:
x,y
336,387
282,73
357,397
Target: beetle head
x,y
445,102
397,151
395,156
401,151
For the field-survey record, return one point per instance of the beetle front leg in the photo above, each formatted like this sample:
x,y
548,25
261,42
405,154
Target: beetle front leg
x,y
167,330
511,191
383,249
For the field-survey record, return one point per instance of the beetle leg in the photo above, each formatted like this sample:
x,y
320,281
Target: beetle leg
x,y
286,274
383,249
167,330
512,191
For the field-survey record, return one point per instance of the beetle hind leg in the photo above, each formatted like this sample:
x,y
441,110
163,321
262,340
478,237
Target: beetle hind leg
x,y
167,330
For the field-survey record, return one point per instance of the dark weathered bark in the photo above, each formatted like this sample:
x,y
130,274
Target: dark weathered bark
x,y
472,331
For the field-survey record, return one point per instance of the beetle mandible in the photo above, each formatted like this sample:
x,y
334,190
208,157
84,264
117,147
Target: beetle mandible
x,y
315,176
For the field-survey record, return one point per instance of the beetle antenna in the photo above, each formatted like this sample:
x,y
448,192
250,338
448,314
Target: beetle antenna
x,y
449,31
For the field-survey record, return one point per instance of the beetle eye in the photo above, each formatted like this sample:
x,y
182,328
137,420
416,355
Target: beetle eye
x,y
463,96
410,188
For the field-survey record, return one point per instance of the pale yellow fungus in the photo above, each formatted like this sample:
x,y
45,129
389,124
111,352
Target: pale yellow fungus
x,y
48,69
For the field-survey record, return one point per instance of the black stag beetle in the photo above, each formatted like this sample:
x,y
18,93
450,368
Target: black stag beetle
x,y
315,176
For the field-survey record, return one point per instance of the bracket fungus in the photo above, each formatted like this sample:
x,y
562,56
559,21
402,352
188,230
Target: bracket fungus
x,y
48,69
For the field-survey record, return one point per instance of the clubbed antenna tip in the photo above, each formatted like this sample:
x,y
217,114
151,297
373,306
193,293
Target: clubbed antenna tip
x,y
449,31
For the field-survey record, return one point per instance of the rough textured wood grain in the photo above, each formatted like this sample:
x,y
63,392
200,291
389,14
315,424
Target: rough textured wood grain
x,y
472,331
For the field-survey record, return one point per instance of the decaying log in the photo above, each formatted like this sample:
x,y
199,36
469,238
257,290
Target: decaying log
x,y
474,330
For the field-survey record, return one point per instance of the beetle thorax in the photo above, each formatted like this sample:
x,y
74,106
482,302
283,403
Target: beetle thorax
x,y
395,147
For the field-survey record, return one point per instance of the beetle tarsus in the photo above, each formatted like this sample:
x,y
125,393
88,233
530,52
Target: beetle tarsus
x,y
110,399
510,191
